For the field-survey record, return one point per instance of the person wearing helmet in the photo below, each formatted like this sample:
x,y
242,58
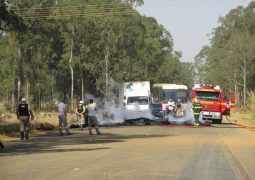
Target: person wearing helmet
x,y
80,110
24,114
197,107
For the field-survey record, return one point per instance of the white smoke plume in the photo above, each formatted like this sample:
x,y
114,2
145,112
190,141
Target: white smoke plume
x,y
188,117
109,109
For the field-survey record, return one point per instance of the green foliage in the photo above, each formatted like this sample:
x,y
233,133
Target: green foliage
x,y
251,103
36,54
230,59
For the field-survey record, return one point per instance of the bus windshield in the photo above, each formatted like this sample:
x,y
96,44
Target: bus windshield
x,y
207,96
175,94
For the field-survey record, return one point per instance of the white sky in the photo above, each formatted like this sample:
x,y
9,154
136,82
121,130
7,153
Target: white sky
x,y
189,21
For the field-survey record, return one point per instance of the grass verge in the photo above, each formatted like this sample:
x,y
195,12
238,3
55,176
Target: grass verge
x,y
43,123
242,116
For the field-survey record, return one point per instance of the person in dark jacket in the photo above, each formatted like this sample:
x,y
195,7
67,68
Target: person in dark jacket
x,y
197,107
24,114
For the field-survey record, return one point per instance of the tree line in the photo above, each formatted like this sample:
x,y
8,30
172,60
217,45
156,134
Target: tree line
x,y
229,60
62,48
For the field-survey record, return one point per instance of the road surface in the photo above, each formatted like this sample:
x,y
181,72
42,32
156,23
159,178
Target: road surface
x,y
134,152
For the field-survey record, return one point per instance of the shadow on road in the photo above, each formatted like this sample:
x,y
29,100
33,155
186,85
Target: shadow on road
x,y
57,144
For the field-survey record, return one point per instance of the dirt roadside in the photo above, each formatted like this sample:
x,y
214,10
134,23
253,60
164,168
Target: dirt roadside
x,y
35,132
242,123
15,136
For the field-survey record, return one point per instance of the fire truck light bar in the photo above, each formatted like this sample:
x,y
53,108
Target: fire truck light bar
x,y
207,86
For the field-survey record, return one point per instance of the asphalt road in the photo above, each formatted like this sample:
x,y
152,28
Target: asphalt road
x,y
134,152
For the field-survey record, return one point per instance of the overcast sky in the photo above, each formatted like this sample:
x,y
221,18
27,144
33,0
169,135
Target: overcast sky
x,y
189,21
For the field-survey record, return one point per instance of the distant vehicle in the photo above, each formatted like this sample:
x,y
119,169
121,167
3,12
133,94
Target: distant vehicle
x,y
162,93
214,102
156,110
136,100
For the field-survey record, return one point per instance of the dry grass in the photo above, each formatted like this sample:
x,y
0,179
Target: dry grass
x,y
246,115
241,115
9,125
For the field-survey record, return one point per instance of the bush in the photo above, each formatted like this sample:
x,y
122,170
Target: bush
x,y
251,103
8,107
44,126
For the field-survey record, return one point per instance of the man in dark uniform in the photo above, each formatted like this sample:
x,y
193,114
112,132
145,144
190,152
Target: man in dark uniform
x,y
24,113
197,107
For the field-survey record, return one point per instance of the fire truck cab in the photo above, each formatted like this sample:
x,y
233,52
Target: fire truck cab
x,y
214,102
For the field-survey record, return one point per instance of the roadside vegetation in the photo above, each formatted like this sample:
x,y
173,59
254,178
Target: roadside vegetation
x,y
246,115
9,125
64,49
229,60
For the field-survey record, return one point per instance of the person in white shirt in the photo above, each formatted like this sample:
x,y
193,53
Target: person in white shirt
x,y
62,118
170,105
92,119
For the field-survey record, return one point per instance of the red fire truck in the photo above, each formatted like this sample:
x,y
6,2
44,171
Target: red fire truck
x,y
214,102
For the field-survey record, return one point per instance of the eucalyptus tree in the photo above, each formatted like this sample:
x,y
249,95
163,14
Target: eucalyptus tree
x,y
230,58
200,68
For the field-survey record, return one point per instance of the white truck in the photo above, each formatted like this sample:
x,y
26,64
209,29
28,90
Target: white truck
x,y
137,100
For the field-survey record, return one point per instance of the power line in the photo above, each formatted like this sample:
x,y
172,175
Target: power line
x,y
76,15
59,12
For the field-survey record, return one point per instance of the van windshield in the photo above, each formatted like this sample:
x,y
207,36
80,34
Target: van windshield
x,y
143,100
207,96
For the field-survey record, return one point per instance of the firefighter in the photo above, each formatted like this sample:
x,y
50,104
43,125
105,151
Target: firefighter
x,y
197,107
80,111
179,108
24,114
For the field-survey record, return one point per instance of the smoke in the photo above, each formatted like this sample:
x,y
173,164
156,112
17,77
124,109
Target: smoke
x,y
109,109
111,112
188,117
138,114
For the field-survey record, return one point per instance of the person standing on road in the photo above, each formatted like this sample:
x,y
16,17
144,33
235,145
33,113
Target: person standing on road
x,y
197,107
80,111
24,114
62,118
92,119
